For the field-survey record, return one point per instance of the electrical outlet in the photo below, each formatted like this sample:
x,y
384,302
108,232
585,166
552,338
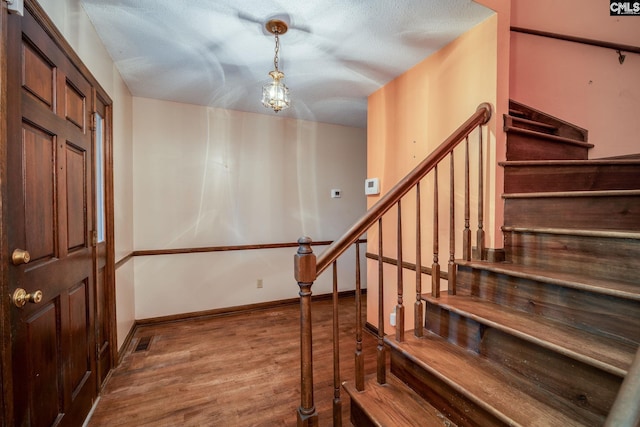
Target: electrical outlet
x,y
392,318
259,284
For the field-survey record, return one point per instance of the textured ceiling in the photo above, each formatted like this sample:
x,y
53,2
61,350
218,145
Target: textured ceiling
x,y
217,53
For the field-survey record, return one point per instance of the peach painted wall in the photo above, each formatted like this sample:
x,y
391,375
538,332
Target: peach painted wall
x,y
74,24
408,118
502,9
213,177
582,84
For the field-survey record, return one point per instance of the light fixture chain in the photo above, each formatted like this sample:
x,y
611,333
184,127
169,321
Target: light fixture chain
x,y
275,58
275,94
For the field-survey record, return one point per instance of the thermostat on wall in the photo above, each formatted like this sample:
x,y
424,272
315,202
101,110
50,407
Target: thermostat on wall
x,y
371,186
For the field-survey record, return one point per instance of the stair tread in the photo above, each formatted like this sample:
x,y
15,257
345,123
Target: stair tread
x,y
516,113
594,193
509,397
528,112
609,234
634,156
542,135
604,353
517,119
577,163
629,290
395,404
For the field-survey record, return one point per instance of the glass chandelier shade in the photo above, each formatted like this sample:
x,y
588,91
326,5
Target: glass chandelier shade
x,y
275,94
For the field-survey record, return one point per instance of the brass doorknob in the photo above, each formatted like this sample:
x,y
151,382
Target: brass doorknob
x,y
20,256
21,297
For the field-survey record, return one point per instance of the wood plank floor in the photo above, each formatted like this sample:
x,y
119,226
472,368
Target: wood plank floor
x,y
238,370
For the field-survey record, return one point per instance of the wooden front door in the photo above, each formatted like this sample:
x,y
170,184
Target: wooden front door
x,y
50,217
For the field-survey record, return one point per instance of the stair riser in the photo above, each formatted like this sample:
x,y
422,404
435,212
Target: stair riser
x,y
581,384
582,212
441,395
457,329
359,416
531,179
585,386
603,314
530,147
601,257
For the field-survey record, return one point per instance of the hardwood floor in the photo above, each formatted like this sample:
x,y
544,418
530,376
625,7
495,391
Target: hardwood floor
x,y
238,370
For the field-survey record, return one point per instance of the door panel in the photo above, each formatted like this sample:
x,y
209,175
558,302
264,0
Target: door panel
x,y
50,190
39,153
76,163
40,80
79,333
75,106
43,364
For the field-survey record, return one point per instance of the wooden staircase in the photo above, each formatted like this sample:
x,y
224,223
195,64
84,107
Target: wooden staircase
x,y
546,337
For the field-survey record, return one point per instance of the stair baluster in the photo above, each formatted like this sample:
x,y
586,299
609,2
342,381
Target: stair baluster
x,y
359,356
480,235
466,234
435,267
400,269
381,371
337,402
451,266
419,306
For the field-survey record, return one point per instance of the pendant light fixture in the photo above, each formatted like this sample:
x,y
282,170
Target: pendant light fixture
x,y
275,94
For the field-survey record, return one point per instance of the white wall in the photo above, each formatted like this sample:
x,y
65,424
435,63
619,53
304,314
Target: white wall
x,y
74,24
207,177
123,207
212,177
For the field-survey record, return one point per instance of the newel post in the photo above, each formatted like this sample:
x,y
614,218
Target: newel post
x,y
305,274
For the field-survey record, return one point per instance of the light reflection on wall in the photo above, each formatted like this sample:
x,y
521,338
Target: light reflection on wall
x,y
213,177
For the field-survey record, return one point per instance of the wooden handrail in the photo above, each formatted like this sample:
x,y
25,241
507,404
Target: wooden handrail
x,y
201,249
307,268
480,117
574,39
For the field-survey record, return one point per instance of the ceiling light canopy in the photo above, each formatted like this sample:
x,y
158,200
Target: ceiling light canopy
x,y
275,94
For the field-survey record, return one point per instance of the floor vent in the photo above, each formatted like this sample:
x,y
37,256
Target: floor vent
x,y
143,344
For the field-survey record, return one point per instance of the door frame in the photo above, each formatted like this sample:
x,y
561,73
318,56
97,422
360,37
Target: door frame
x,y
99,95
6,378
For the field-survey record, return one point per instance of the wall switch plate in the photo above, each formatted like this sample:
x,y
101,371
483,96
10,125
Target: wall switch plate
x,y
371,186
336,193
